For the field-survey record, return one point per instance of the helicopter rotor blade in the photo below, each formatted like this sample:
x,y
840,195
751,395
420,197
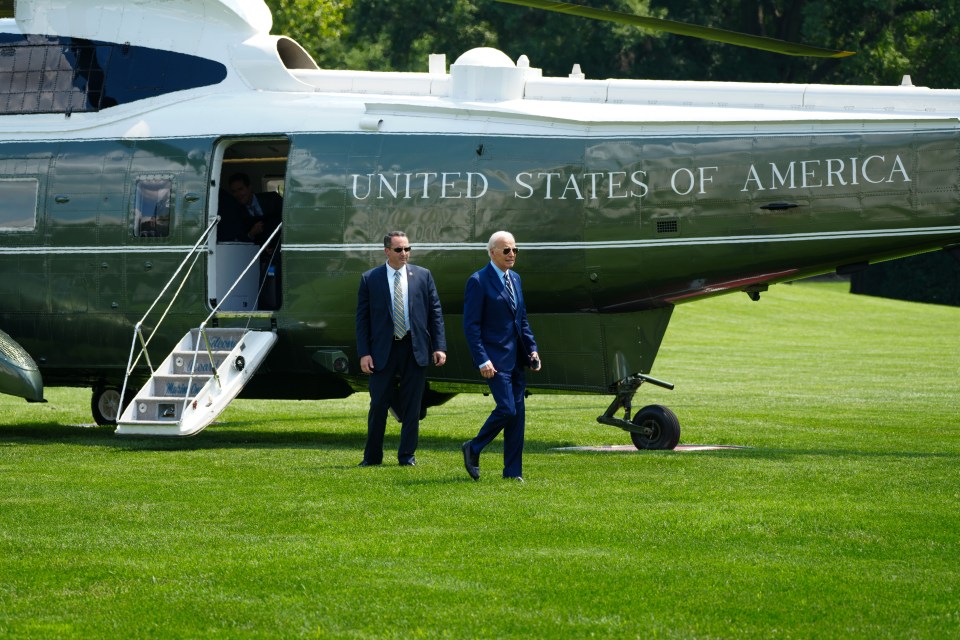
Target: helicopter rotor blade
x,y
684,29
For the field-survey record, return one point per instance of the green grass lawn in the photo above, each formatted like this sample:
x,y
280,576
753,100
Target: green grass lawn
x,y
840,519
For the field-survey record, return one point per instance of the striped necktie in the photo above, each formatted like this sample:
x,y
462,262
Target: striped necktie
x,y
509,287
399,318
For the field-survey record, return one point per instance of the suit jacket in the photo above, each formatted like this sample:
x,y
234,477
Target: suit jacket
x,y
237,220
375,315
271,203
493,331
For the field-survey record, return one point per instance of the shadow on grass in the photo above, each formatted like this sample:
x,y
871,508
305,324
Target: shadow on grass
x,y
232,438
215,438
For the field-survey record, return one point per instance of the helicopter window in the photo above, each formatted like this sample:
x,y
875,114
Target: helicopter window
x,y
151,208
47,74
18,204
273,183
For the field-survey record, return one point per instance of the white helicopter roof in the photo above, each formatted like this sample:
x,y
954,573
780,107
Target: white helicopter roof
x,y
482,84
197,27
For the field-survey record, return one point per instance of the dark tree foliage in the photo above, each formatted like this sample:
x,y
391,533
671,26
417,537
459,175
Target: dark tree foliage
x,y
891,38
400,34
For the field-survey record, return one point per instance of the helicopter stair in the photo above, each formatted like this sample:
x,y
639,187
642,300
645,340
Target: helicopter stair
x,y
196,382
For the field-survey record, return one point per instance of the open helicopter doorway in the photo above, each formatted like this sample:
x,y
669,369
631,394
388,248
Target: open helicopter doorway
x,y
246,191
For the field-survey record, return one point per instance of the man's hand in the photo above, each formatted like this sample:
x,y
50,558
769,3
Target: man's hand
x,y
487,370
439,357
366,364
535,363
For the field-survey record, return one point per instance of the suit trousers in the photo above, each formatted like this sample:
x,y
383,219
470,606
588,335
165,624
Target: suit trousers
x,y
507,388
402,364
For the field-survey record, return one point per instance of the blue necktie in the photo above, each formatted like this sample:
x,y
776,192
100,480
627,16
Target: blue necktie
x,y
509,287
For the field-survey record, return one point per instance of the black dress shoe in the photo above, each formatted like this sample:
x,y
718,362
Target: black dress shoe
x,y
364,463
412,462
470,463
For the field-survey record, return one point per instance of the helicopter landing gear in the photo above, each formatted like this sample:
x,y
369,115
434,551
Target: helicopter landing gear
x,y
654,426
660,428
105,404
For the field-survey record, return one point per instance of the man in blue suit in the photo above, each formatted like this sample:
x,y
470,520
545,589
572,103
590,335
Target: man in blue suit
x,y
502,345
399,331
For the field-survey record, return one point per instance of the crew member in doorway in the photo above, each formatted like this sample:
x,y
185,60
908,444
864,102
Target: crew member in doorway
x,y
256,216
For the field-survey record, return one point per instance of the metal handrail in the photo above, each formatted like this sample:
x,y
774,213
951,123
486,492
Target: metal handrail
x,y
254,260
202,329
138,335
138,327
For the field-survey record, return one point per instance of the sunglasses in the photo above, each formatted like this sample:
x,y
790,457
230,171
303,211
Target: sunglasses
x,y
401,249
508,250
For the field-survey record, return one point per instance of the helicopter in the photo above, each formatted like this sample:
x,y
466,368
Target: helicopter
x,y
122,125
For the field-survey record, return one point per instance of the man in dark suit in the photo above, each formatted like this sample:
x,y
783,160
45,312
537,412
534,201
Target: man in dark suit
x,y
254,218
502,345
399,331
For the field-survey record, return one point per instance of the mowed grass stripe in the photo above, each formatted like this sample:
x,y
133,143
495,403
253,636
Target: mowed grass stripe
x,y
839,520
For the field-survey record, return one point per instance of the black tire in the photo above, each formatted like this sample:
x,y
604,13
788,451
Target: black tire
x,y
664,425
105,404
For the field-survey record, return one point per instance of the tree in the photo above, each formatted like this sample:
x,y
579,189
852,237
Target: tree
x,y
399,34
318,25
891,38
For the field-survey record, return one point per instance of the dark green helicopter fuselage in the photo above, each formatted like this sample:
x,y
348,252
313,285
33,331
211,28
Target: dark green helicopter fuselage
x,y
625,197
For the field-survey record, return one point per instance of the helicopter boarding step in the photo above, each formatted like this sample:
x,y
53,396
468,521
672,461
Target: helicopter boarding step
x,y
196,382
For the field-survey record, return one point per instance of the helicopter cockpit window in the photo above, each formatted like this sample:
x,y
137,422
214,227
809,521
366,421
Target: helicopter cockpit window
x,y
50,74
18,204
151,208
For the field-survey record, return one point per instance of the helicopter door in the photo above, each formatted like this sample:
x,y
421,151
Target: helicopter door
x,y
247,186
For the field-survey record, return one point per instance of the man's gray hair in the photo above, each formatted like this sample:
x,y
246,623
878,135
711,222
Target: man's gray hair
x,y
499,235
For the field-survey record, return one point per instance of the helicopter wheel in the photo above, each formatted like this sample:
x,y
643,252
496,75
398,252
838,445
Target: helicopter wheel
x,y
105,404
663,424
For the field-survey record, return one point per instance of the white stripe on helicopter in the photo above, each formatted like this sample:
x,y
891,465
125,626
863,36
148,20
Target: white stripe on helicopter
x,y
532,246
